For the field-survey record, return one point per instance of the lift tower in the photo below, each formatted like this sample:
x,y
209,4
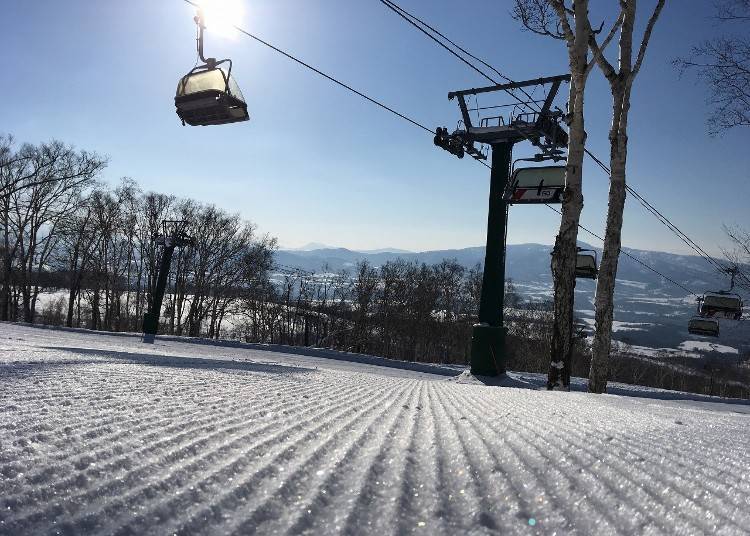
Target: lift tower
x,y
174,236
542,128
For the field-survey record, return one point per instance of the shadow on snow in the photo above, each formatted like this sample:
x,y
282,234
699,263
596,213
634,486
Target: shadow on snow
x,y
177,361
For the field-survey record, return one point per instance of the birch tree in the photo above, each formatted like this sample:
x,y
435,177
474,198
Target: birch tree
x,y
621,84
568,22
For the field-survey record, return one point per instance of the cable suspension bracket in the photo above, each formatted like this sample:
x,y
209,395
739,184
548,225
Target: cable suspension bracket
x,y
542,128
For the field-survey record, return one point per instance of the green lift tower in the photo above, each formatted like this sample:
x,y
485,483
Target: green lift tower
x,y
540,126
174,236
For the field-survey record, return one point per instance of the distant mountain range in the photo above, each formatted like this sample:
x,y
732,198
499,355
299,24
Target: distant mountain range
x,y
317,246
525,263
652,309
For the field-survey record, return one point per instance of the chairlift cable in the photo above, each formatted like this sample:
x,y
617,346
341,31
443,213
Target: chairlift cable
x,y
398,9
420,25
636,259
661,217
408,18
416,20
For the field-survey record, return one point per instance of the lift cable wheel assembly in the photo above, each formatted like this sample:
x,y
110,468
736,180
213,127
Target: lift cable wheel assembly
x,y
208,94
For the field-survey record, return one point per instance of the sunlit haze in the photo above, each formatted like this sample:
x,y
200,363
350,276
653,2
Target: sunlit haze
x,y
221,17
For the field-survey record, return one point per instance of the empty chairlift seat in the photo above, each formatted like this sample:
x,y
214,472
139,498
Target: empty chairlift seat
x,y
721,305
544,184
703,326
207,96
586,264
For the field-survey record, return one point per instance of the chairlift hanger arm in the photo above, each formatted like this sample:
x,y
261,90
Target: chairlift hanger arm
x,y
514,85
551,96
210,63
201,27
464,111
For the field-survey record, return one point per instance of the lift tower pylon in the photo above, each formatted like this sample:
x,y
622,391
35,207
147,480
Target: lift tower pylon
x,y
542,128
174,236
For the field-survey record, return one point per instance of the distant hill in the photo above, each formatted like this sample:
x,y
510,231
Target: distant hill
x,y
384,250
525,263
317,246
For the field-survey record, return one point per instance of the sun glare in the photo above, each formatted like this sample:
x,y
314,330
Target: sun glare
x,y
221,16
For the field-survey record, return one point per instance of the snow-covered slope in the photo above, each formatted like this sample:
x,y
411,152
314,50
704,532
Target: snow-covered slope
x,y
102,434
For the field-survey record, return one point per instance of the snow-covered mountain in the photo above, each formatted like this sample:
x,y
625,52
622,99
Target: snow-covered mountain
x,y
316,246
528,263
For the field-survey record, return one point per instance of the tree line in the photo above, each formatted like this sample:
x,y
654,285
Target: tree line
x,y
400,310
97,246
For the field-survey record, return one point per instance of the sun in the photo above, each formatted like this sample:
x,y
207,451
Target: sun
x,y
222,16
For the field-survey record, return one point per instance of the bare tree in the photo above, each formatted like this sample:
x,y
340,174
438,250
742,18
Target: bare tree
x,y
39,185
78,240
740,238
723,64
129,197
568,22
364,289
621,84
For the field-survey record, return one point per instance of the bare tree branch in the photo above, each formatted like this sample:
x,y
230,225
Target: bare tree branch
x,y
537,16
646,38
733,10
724,65
562,14
598,51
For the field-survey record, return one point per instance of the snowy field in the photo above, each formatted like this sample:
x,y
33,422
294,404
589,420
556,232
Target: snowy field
x,y
101,434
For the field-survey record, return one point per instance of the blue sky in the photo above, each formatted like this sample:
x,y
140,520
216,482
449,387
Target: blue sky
x,y
318,164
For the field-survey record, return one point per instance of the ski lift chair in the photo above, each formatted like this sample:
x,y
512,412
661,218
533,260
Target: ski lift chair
x,y
209,95
586,265
543,184
699,325
580,330
721,305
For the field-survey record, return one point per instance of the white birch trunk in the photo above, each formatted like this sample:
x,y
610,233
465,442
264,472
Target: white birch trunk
x,y
564,252
605,287
621,83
